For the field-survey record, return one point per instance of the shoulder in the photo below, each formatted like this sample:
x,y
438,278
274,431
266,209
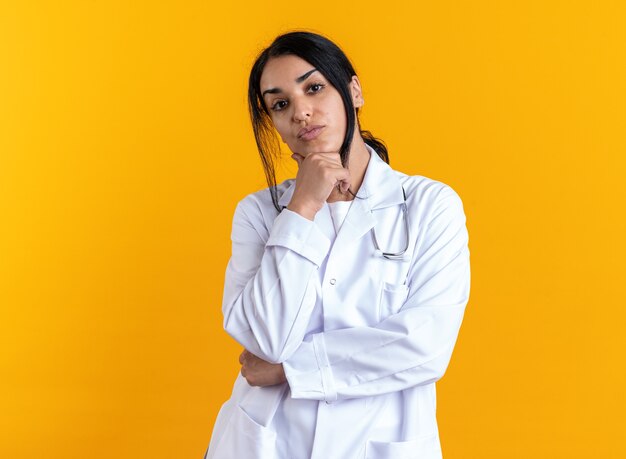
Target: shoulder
x,y
436,210
256,211
260,202
427,193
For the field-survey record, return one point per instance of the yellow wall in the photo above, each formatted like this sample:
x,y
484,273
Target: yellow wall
x,y
125,145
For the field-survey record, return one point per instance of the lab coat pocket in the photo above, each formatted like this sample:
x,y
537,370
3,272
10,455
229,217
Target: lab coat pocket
x,y
245,438
420,448
392,297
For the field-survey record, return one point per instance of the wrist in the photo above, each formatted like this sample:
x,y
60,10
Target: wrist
x,y
307,211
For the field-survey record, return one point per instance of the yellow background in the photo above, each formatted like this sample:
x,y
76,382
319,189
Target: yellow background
x,y
125,145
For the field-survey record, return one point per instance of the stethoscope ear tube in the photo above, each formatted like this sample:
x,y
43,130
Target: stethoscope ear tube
x,y
395,255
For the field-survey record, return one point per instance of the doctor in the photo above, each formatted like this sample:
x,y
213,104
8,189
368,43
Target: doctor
x,y
346,286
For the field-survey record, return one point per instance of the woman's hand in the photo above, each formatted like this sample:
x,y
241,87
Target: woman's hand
x,y
258,372
318,174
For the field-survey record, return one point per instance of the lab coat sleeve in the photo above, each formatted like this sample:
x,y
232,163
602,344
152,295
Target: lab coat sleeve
x,y
408,348
268,292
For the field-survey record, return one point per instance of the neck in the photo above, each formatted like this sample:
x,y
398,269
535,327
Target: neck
x,y
358,160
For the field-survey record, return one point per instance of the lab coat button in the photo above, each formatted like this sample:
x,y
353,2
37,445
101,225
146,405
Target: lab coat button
x,y
333,281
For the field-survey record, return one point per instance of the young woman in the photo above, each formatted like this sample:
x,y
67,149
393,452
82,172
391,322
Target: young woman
x,y
346,286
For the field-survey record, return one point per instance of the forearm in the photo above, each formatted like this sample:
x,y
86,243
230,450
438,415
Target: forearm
x,y
267,305
409,349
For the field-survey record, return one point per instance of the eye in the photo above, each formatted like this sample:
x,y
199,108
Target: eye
x,y
316,87
279,105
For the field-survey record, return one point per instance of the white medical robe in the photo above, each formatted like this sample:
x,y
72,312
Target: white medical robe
x,y
362,338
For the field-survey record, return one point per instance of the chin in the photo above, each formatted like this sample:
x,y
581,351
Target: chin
x,y
313,147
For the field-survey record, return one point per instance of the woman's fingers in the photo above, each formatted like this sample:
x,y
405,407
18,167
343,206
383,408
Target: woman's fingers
x,y
318,174
344,186
258,372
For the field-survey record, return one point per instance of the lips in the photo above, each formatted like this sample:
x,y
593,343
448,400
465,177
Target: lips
x,y
310,132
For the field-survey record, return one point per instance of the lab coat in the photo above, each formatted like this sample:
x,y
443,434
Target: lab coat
x,y
362,338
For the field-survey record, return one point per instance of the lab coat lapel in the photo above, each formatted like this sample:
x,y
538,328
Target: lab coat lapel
x,y
358,221
380,188
381,184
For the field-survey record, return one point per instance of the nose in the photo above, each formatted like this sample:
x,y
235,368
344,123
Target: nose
x,y
301,110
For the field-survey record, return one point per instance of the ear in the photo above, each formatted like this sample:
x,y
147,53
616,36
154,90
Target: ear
x,y
356,91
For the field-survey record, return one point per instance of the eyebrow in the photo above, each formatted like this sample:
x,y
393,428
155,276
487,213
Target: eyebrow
x,y
300,79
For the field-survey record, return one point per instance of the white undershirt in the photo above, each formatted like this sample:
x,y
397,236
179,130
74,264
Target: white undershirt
x,y
338,212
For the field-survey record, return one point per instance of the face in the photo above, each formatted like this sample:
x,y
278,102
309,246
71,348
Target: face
x,y
307,111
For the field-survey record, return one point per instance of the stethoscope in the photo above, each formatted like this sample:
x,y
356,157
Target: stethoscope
x,y
395,255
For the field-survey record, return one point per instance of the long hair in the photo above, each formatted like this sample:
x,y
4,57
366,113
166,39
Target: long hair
x,y
331,62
